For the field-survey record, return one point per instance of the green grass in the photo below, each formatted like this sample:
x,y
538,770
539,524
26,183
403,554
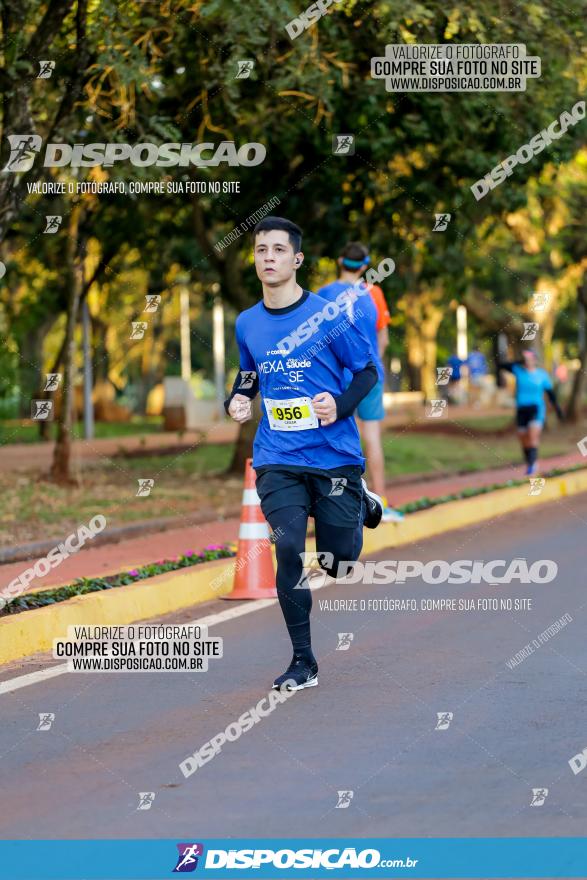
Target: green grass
x,y
429,453
33,509
487,423
13,431
404,454
214,458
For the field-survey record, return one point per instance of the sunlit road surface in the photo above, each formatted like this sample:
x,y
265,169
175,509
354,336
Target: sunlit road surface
x,y
369,727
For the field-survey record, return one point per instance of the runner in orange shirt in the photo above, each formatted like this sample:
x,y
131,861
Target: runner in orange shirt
x,y
374,322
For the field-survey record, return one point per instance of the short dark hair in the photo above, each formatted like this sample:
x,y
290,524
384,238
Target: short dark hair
x,y
355,251
294,232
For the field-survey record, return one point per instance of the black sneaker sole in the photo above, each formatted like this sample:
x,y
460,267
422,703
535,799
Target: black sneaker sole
x,y
312,682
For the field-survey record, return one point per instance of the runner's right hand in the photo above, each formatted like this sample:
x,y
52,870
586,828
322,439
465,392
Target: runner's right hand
x,y
240,408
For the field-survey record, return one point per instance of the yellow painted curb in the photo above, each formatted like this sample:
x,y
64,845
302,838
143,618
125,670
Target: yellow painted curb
x,y
466,511
34,631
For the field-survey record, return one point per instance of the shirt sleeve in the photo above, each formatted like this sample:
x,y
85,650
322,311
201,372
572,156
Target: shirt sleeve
x,y
361,384
351,349
246,359
383,316
246,381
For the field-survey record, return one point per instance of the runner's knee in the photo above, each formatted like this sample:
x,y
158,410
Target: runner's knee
x,y
288,548
289,529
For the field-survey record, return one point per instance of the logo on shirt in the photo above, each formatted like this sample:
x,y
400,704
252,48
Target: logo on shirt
x,y
292,370
297,363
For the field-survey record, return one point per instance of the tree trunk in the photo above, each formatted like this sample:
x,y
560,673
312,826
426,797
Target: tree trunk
x,y
429,326
61,466
149,358
29,371
18,86
414,353
423,317
574,406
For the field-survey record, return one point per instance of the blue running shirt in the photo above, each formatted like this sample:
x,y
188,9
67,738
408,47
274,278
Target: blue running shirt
x,y
363,312
530,387
298,354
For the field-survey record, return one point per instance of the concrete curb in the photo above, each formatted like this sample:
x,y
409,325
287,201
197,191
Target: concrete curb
x,y
458,514
32,632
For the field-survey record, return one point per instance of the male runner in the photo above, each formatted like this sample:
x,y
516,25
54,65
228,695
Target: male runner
x,y
307,454
531,384
372,315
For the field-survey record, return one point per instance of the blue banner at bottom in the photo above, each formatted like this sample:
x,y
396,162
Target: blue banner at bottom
x,y
304,858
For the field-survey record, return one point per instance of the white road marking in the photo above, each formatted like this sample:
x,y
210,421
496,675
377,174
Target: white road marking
x,y
14,684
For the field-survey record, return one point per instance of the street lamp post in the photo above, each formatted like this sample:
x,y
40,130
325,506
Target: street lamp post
x,y
218,349
184,327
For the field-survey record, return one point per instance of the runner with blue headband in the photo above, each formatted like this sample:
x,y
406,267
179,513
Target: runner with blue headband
x,y
370,314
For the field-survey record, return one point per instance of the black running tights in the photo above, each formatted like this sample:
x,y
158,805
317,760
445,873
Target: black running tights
x,y
289,525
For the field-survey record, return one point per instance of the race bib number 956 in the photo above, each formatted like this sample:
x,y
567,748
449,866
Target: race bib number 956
x,y
294,414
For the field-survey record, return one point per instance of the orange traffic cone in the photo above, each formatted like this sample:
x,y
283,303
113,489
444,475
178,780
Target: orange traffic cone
x,y
254,577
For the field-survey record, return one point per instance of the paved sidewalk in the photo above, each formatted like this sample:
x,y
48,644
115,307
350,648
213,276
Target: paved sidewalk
x,y
129,553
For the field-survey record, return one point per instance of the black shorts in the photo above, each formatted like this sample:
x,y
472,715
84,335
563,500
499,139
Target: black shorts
x,y
332,496
525,415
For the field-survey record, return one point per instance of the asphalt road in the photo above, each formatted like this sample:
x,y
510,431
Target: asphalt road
x,y
369,727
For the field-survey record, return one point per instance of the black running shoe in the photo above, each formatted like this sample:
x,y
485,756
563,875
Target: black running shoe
x,y
373,507
299,674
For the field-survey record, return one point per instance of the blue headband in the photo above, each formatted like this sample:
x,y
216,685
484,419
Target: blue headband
x,y
356,264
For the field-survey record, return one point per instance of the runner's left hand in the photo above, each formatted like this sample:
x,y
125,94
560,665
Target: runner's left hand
x,y
325,408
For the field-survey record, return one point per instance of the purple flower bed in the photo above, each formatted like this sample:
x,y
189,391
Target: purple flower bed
x,y
91,585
